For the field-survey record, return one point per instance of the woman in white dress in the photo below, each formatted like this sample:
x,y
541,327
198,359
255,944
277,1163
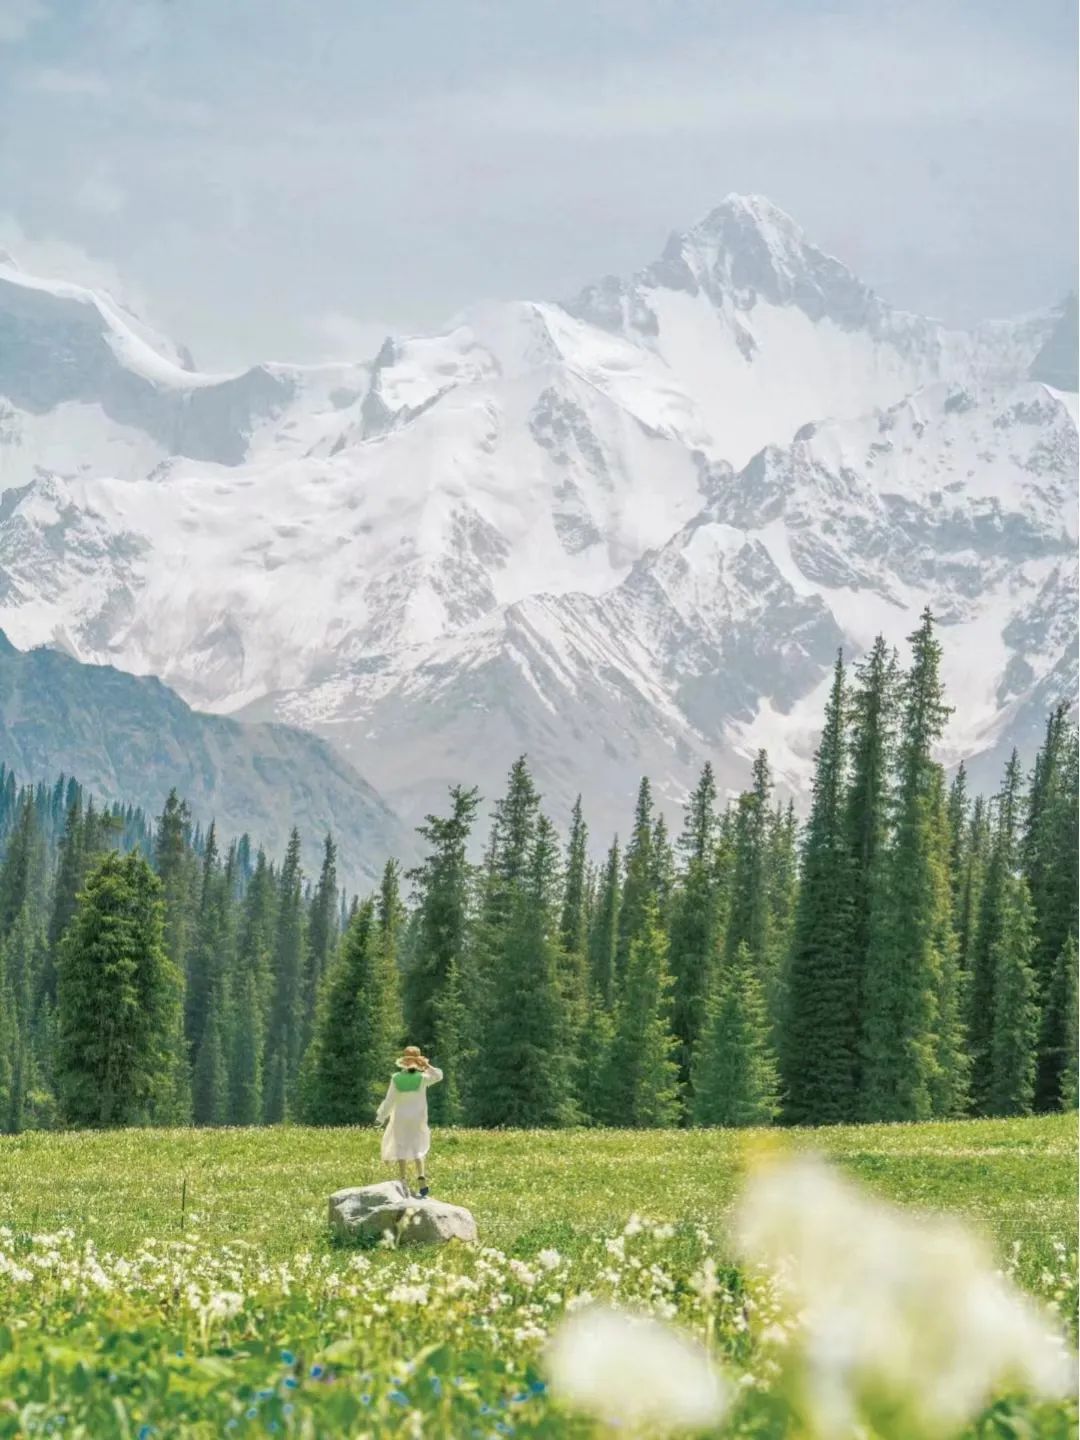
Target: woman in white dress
x,y
407,1137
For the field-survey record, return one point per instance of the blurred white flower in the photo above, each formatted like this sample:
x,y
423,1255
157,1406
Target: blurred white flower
x,y
632,1370
898,1314
549,1259
408,1295
705,1281
224,1304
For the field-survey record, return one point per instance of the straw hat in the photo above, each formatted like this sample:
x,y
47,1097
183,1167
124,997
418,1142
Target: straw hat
x,y
411,1056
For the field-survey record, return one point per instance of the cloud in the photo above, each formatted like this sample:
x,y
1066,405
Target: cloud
x,y
54,80
54,259
18,17
100,194
812,71
343,337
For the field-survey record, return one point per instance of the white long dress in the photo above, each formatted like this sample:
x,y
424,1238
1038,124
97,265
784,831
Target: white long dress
x,y
407,1136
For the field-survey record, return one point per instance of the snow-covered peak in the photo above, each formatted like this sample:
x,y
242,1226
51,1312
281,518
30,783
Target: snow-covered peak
x,y
748,251
48,303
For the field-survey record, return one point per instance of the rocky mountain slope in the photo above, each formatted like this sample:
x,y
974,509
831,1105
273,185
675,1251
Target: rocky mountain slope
x,y
132,739
619,533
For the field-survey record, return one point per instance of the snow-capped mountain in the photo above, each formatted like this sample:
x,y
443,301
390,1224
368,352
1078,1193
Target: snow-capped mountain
x,y
619,533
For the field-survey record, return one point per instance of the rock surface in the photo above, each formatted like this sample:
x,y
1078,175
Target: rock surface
x,y
372,1210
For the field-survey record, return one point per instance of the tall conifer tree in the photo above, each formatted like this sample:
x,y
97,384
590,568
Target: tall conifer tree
x,y
604,929
694,938
642,1075
912,913
119,999
736,1081
820,1048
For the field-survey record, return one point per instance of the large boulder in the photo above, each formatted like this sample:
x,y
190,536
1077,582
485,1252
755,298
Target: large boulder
x,y
370,1211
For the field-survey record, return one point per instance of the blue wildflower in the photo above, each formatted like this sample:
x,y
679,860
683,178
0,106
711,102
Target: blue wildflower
x,y
231,1423
365,1399
316,1371
263,1394
291,1382
252,1413
436,1386
520,1397
398,1396
288,1358
145,1431
538,1387
287,1409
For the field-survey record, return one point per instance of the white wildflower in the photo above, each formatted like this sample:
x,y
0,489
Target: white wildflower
x,y
704,1281
408,1295
522,1274
549,1259
630,1370
224,1304
894,1309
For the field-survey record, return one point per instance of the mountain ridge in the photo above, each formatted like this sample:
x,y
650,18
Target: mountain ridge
x,y
699,482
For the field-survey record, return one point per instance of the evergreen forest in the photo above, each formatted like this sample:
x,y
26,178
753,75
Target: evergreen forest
x,y
907,952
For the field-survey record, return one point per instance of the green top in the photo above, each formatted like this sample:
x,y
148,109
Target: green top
x,y
408,1080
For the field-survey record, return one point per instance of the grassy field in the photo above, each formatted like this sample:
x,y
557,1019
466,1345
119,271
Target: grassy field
x,y
120,1247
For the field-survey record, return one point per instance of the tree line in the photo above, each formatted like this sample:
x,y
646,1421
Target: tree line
x,y
907,953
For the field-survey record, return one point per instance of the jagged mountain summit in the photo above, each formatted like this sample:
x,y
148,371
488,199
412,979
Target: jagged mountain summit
x,y
619,533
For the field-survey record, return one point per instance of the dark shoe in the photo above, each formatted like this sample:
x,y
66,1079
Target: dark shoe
x,y
425,1190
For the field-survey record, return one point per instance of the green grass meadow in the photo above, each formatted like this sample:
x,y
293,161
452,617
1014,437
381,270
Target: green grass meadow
x,y
183,1282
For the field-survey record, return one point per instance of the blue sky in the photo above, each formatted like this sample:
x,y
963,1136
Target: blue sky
x,y
291,178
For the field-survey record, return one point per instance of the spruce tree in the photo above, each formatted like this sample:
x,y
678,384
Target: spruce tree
x,y
1051,866
820,1045
523,1074
639,890
322,932
574,916
749,914
286,1013
1014,1030
694,936
781,878
1070,1085
951,1073
348,1065
597,1087
604,929
210,1083
663,870
574,932
906,967
119,1001
390,919
246,1054
976,853
1001,868
874,704
736,1081
1057,1027
642,1077
959,811
443,900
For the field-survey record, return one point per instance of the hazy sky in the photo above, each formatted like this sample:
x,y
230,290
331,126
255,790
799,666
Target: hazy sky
x,y
285,179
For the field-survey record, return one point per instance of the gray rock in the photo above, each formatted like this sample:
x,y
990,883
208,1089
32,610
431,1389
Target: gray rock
x,y
372,1210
